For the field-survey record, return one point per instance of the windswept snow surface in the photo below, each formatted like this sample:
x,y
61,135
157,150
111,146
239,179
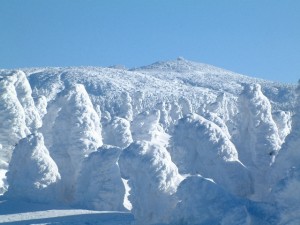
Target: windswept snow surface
x,y
175,142
25,213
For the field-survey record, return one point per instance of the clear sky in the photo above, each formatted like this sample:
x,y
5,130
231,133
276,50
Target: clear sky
x,y
259,38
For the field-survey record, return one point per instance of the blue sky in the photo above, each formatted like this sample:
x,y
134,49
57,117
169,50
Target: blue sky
x,y
259,38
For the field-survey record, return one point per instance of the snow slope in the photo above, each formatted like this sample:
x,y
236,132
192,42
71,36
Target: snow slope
x,y
181,142
21,212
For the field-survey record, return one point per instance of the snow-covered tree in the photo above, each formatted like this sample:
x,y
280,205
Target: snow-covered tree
x,y
18,116
201,147
99,185
24,93
146,127
186,106
32,175
165,119
151,174
76,133
117,132
286,173
153,179
125,110
283,121
12,116
257,138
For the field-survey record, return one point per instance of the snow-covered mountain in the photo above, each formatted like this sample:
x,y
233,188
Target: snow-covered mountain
x,y
175,142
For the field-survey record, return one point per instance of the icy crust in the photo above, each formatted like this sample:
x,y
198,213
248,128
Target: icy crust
x,y
32,174
285,195
202,202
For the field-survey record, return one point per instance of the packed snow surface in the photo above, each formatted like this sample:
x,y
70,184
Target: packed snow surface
x,y
175,142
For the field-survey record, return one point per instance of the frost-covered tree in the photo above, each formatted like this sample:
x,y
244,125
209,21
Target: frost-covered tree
x,y
151,174
286,173
76,132
138,101
186,106
32,175
99,185
283,121
289,154
117,133
257,138
213,117
165,119
41,105
12,116
18,116
201,147
125,110
146,127
24,93
153,179
175,112
223,107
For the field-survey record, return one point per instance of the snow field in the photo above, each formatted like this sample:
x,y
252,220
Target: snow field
x,y
185,143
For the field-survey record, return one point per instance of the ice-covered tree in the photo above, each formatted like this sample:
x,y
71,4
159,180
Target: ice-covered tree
x,y
286,173
24,93
76,132
32,175
12,116
99,185
186,106
153,179
18,116
283,121
223,107
151,174
117,132
257,138
146,127
125,110
201,147
165,119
